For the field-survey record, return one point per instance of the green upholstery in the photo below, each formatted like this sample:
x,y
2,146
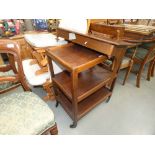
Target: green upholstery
x,y
140,54
124,61
108,62
6,84
148,45
24,113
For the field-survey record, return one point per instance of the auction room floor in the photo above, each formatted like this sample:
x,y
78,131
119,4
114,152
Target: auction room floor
x,y
131,110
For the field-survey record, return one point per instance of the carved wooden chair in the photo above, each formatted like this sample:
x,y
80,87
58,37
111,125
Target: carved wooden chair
x,y
145,54
127,63
116,32
21,112
36,69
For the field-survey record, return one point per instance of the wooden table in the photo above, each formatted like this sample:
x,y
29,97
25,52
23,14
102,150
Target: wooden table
x,y
126,32
26,50
138,32
82,85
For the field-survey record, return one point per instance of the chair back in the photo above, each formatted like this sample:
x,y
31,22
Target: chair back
x,y
114,31
12,50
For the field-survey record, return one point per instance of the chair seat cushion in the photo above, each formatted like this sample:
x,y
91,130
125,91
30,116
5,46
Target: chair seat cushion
x,y
140,53
30,70
7,84
125,60
44,40
148,45
24,113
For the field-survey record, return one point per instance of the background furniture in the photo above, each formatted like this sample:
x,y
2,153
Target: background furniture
x,y
26,50
127,64
36,69
138,32
21,112
52,24
143,21
115,32
13,79
145,53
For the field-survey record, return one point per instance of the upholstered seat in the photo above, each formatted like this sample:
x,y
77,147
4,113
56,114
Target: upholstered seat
x,y
108,62
140,53
148,45
125,60
126,63
30,70
6,84
24,113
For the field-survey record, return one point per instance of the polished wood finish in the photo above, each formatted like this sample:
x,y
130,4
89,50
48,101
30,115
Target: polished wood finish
x,y
103,45
48,86
115,32
12,49
149,58
80,80
39,57
26,50
87,84
153,68
53,130
74,57
84,84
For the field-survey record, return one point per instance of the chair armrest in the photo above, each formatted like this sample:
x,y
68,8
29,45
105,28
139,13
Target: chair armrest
x,y
5,68
9,78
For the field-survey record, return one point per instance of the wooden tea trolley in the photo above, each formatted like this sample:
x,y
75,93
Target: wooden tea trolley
x,y
84,83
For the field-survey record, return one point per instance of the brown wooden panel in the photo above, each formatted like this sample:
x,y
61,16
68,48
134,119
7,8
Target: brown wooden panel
x,y
26,50
1,60
88,42
86,105
74,56
115,31
87,83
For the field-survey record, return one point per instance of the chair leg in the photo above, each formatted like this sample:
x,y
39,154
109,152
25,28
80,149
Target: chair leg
x,y
111,87
152,70
127,73
24,85
50,95
139,76
54,130
149,70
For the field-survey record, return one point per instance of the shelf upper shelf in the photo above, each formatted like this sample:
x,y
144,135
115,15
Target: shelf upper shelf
x,y
75,57
89,81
